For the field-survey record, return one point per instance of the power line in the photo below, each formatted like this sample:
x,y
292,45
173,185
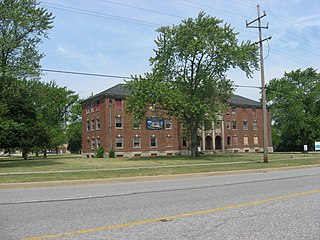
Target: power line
x,y
113,76
143,9
98,14
85,74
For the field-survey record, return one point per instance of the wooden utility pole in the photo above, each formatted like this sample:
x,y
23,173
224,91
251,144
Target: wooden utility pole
x,y
263,85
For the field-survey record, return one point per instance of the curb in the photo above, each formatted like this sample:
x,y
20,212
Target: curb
x,y
145,178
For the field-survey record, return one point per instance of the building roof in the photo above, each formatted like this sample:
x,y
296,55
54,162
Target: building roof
x,y
237,100
120,90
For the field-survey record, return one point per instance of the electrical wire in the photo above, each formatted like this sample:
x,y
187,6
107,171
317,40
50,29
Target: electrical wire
x,y
85,74
98,14
143,9
109,76
130,20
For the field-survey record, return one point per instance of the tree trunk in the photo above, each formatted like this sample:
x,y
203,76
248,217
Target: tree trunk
x,y
194,142
45,151
25,154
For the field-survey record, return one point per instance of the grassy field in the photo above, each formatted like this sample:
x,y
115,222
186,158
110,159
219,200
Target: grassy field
x,y
37,169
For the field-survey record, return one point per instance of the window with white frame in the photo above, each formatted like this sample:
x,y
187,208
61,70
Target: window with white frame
x,y
234,124
98,143
153,141
98,124
228,126
233,110
245,140
92,125
255,140
93,143
255,125
88,106
97,105
119,122
88,125
245,125
92,107
168,124
137,142
119,142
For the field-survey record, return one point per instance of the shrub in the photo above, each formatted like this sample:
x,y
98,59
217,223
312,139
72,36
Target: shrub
x,y
112,153
100,152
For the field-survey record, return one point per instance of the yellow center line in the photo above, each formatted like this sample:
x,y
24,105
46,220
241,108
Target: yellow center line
x,y
173,217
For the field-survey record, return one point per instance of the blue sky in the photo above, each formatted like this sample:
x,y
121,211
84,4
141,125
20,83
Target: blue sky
x,y
116,37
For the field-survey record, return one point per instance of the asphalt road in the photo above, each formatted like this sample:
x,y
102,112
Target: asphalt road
x,y
266,205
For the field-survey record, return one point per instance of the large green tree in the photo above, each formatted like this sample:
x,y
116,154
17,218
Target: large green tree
x,y
54,112
74,130
295,105
18,123
22,25
188,78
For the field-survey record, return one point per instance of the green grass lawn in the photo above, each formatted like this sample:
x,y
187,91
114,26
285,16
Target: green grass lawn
x,y
100,168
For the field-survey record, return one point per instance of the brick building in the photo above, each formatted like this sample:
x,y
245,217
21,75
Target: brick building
x,y
105,124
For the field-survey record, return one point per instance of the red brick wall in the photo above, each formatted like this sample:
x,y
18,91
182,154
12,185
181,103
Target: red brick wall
x,y
128,133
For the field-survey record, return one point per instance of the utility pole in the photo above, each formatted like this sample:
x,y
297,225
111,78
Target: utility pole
x,y
263,85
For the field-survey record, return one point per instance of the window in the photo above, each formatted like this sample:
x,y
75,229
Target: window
x,y
234,140
169,141
98,124
228,124
119,103
88,125
93,143
168,124
233,109
98,143
255,125
136,142
217,125
97,105
245,140
255,140
119,142
119,123
87,108
92,125
92,107
184,142
245,125
234,124
153,141
228,140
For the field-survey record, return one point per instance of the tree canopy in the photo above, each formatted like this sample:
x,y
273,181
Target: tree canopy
x,y
295,105
22,25
188,79
34,115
